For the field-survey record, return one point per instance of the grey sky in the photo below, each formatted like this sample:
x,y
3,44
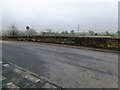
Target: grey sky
x,y
59,15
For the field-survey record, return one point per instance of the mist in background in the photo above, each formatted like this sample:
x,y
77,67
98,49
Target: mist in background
x,y
60,15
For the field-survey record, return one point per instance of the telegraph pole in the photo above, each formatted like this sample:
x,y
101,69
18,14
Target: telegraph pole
x,y
13,28
78,28
27,28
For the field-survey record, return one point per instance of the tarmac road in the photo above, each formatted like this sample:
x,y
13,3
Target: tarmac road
x,y
64,66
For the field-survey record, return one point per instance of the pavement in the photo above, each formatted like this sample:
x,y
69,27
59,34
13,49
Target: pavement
x,y
64,66
16,77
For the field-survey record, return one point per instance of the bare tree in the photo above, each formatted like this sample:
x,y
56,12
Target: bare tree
x,y
107,33
31,32
72,33
91,32
21,33
12,31
64,33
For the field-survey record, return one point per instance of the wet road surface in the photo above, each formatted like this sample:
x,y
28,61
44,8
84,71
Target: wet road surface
x,y
66,67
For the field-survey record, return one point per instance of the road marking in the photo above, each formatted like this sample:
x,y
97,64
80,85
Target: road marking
x,y
11,85
2,78
47,85
6,65
33,79
18,71
1,61
4,41
50,49
55,50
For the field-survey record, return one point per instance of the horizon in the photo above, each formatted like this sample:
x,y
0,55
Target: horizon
x,y
59,15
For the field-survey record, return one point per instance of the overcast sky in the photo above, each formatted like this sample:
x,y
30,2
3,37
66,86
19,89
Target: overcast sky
x,y
60,15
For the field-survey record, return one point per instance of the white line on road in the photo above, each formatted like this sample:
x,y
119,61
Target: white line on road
x,y
4,41
50,49
55,50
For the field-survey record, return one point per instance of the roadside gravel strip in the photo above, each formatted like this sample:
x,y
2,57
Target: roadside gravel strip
x,y
16,77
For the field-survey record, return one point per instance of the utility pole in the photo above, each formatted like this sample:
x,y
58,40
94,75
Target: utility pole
x,y
13,32
27,28
78,28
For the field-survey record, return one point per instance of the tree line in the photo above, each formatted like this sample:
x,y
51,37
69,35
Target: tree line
x,y
14,31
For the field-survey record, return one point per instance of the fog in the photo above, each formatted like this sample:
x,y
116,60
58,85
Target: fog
x,y
61,15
